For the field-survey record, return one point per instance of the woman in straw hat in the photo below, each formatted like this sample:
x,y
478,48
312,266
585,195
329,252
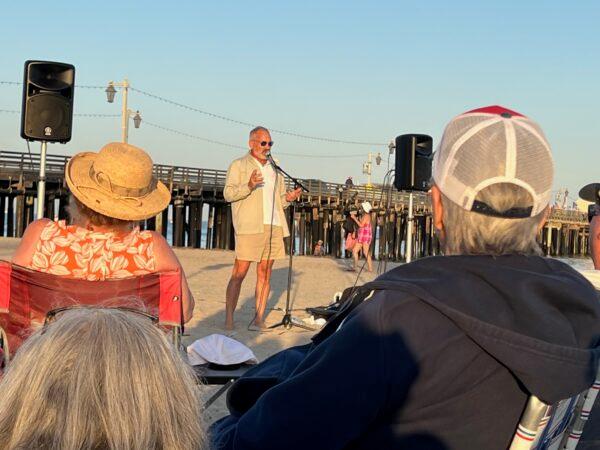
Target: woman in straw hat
x,y
63,391
112,191
364,236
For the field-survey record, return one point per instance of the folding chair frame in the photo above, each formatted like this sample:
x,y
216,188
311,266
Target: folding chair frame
x,y
161,292
555,427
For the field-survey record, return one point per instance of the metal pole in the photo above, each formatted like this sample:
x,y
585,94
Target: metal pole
x,y
369,169
41,191
125,112
409,229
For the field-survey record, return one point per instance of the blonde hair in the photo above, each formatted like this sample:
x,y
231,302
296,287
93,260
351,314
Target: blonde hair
x,y
471,233
99,378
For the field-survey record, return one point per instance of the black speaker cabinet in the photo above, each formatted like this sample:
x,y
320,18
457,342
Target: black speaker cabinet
x,y
413,162
47,111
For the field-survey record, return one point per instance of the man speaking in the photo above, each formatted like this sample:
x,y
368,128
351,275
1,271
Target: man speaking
x,y
258,196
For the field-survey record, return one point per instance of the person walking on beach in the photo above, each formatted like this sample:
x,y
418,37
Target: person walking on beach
x,y
257,195
364,236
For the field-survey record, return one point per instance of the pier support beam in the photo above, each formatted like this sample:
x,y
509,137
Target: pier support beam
x,y
2,215
210,226
20,215
195,236
178,222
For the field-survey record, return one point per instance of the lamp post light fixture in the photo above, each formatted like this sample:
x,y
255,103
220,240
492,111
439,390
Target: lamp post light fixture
x,y
368,166
125,112
137,119
110,92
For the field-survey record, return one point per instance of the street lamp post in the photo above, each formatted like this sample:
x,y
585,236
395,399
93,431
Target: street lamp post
x,y
368,166
125,112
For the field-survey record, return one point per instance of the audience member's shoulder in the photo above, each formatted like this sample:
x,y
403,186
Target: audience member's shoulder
x,y
37,226
157,238
392,308
560,267
393,313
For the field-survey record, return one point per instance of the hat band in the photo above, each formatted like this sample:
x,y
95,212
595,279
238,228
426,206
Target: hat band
x,y
103,181
512,213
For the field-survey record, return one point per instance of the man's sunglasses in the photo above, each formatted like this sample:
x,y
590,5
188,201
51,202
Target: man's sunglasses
x,y
265,143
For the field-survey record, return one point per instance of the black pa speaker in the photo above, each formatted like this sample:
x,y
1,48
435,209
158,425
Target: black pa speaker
x,y
413,162
47,112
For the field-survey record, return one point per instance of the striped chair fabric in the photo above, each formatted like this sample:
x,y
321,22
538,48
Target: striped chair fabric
x,y
554,427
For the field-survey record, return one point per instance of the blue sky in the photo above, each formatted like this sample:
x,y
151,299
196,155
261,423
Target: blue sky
x,y
346,70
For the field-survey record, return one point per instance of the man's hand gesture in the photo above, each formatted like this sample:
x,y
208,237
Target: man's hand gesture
x,y
255,179
290,196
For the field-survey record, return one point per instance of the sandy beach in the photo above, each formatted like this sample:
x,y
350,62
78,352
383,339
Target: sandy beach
x,y
315,281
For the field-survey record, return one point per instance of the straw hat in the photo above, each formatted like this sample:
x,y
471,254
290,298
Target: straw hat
x,y
117,182
367,207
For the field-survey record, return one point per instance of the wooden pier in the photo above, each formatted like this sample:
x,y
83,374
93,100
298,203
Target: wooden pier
x,y
201,218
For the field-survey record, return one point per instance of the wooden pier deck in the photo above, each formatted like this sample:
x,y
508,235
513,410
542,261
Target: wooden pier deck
x,y
200,216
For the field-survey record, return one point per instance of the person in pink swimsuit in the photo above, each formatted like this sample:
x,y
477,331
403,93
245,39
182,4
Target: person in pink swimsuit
x,y
364,236
111,192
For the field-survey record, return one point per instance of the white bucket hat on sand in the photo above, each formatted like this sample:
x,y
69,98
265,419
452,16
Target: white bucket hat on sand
x,y
219,349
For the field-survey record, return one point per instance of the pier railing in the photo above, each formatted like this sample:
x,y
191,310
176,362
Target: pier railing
x,y
199,216
193,181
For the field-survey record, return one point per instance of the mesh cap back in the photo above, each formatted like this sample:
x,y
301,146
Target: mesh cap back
x,y
494,145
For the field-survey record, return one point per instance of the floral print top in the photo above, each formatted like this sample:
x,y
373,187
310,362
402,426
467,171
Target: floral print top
x,y
77,252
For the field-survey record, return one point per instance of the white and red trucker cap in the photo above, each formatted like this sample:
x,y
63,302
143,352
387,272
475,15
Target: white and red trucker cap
x,y
493,145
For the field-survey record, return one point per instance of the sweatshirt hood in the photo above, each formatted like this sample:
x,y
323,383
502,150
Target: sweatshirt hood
x,y
537,316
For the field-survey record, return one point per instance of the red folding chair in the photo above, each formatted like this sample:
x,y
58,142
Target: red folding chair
x,y
26,297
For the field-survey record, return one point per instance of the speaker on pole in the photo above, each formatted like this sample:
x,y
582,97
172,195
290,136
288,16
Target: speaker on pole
x,y
414,153
47,112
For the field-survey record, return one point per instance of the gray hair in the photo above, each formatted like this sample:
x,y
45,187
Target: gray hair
x,y
100,378
255,130
471,233
81,214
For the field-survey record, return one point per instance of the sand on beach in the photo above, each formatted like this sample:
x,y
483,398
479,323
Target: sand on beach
x,y
315,281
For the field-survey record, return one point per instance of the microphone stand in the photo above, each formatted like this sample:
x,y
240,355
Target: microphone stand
x,y
288,321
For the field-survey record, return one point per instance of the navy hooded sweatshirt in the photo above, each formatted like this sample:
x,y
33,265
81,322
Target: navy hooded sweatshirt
x,y
442,356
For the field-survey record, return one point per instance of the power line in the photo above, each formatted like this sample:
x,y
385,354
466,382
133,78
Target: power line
x,y
96,115
199,138
89,86
239,147
248,124
14,111
228,119
84,86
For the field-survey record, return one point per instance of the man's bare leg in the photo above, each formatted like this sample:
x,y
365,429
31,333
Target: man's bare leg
x,y
263,287
240,269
